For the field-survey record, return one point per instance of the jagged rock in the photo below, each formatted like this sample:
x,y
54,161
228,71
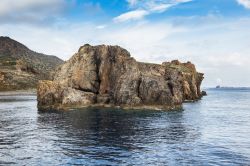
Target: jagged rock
x,y
109,76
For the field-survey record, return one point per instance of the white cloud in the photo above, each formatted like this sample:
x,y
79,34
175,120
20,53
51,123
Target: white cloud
x,y
132,15
245,3
219,81
101,26
132,2
30,10
218,48
142,8
160,8
183,1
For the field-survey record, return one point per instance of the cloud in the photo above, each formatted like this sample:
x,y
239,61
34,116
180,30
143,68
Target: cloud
x,y
132,2
245,3
142,8
132,15
13,11
160,8
101,26
217,47
183,1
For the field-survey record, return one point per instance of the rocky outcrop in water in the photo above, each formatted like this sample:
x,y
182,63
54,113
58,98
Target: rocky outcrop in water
x,y
108,76
22,68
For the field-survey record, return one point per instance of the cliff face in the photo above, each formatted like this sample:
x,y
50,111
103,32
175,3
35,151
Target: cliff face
x,y
21,68
108,76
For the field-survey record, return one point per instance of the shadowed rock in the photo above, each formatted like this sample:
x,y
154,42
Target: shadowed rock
x,y
108,76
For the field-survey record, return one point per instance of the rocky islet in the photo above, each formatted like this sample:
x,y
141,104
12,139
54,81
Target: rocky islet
x,y
108,76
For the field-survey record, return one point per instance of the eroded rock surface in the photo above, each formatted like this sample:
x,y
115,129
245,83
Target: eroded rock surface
x,y
109,76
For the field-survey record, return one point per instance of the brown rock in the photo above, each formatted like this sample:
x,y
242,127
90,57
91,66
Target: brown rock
x,y
107,75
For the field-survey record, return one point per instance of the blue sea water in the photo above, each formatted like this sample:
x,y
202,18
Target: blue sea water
x,y
212,131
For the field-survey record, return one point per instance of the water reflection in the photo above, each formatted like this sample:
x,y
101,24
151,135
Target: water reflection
x,y
114,134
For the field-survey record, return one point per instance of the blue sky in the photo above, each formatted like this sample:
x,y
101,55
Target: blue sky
x,y
106,10
213,34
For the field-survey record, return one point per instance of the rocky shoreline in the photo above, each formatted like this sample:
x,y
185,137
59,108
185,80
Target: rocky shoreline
x,y
67,107
107,76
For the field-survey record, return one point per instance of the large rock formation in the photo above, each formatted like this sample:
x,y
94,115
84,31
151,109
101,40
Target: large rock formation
x,y
109,76
21,68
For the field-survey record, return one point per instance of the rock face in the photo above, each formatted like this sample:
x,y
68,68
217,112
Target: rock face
x,y
109,76
21,68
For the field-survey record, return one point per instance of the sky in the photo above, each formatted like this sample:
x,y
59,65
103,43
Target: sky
x,y
212,34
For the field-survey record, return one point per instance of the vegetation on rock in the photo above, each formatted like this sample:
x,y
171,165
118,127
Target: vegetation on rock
x,y
21,68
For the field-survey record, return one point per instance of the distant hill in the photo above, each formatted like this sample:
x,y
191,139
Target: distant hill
x,y
21,68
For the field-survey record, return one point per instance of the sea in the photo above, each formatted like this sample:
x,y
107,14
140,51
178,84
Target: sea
x,y
214,131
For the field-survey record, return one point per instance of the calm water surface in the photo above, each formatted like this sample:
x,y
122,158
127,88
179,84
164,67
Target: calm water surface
x,y
213,131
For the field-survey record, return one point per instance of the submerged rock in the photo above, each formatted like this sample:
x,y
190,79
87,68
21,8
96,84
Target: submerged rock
x,y
109,76
204,93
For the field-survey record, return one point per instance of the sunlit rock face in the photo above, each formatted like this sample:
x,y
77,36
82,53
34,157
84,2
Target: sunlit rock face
x,y
108,76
